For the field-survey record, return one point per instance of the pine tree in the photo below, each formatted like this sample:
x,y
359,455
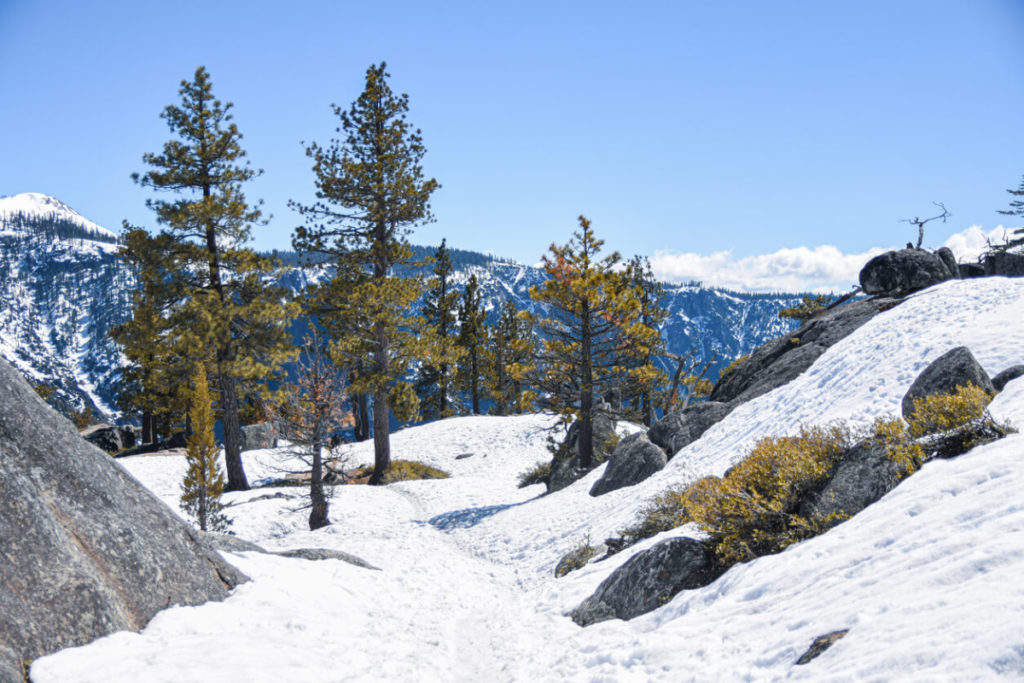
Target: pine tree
x,y
646,382
371,192
592,331
155,379
472,340
1015,237
513,348
219,305
312,409
440,308
204,483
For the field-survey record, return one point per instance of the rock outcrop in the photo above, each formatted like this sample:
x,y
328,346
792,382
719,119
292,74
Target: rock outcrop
x,y
259,435
677,430
865,473
1006,376
1004,263
648,580
634,459
111,439
565,468
898,272
785,358
953,369
87,549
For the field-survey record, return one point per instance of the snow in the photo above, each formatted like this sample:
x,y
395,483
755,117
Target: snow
x,y
929,580
37,204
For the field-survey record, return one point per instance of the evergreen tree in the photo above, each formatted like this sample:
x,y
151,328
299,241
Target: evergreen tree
x,y
592,331
218,302
1015,237
370,192
312,409
472,340
204,483
513,347
646,381
440,307
155,379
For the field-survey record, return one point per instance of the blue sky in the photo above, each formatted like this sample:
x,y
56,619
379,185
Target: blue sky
x,y
712,134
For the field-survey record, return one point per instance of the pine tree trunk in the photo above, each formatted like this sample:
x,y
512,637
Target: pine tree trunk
x,y
645,408
381,437
475,383
585,445
318,503
232,433
362,413
148,435
442,390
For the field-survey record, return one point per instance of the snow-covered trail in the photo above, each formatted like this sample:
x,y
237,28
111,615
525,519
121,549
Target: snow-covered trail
x,y
929,580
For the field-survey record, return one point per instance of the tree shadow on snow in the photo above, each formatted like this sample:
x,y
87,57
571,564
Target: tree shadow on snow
x,y
467,517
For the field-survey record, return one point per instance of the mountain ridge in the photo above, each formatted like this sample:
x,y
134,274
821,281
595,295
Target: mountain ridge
x,y
63,288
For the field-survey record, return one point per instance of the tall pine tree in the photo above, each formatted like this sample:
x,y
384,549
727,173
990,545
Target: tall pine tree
x,y
513,348
218,301
371,192
473,342
440,309
646,380
592,331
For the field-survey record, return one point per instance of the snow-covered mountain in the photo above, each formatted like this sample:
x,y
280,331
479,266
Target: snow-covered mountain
x,y
62,287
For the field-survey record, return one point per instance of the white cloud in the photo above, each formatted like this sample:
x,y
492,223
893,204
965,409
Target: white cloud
x,y
802,269
969,244
819,269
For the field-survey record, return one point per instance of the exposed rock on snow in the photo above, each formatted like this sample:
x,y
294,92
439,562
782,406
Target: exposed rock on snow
x,y
259,435
820,644
907,270
648,580
1006,376
87,550
110,438
955,368
865,474
1004,263
232,544
634,459
679,429
566,469
781,360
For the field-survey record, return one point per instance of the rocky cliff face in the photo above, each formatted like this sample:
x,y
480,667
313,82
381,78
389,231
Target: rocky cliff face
x,y
62,287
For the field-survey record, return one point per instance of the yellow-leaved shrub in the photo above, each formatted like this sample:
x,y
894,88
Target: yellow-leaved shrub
x,y
942,412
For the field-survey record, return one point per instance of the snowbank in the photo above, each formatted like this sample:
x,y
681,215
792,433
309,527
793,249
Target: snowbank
x,y
929,580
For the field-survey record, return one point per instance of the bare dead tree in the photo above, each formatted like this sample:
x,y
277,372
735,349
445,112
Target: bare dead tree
x,y
919,222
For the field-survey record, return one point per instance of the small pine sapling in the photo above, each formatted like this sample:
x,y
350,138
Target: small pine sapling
x,y
204,482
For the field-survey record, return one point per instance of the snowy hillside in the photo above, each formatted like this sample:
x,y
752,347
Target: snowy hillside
x,y
62,287
928,580
33,205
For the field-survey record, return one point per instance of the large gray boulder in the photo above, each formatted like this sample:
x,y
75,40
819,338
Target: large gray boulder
x,y
259,435
953,369
865,474
87,550
898,272
104,436
648,580
782,360
677,430
634,459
